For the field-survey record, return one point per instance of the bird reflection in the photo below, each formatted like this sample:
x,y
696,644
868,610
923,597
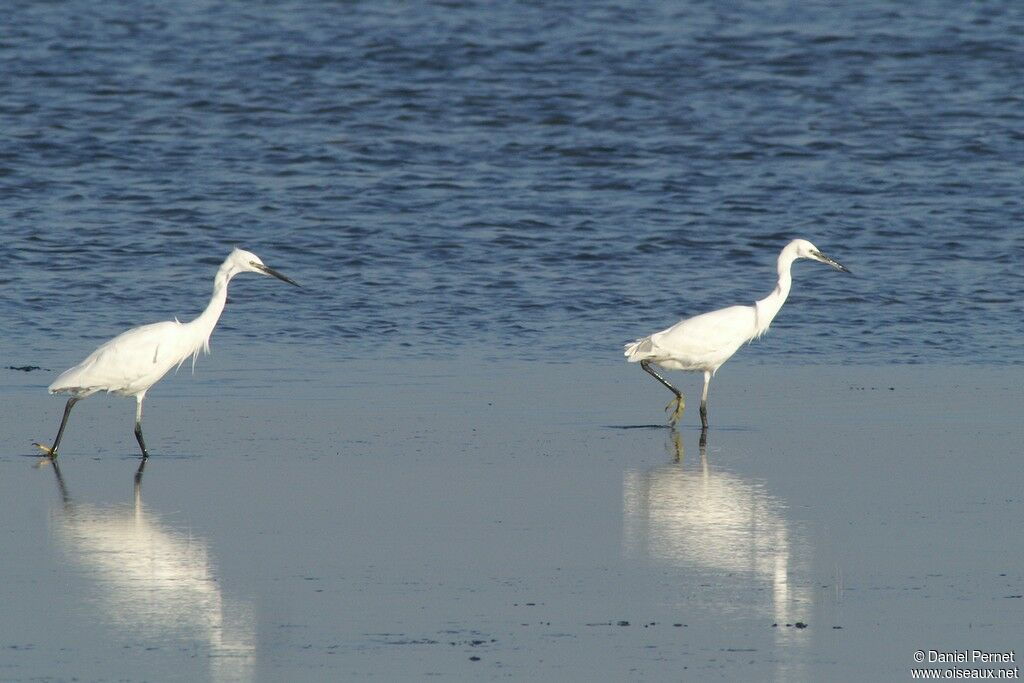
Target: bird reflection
x,y
707,522
155,583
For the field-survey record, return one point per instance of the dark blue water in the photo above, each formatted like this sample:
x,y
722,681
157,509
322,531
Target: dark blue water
x,y
530,179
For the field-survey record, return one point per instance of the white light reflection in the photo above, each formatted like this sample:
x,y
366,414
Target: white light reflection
x,y
729,535
157,584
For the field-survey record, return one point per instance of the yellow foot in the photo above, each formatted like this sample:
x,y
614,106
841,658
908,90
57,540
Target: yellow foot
x,y
676,407
45,449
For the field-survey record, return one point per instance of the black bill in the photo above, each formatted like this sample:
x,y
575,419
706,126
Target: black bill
x,y
270,271
831,261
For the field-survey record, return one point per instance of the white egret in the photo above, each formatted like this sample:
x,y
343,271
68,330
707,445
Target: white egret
x,y
704,342
132,362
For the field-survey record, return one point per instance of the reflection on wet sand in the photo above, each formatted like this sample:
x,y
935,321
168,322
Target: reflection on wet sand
x,y
156,584
707,522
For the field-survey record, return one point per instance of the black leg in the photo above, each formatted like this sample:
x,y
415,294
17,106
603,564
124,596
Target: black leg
x,y
677,405
63,423
646,365
704,402
138,427
138,437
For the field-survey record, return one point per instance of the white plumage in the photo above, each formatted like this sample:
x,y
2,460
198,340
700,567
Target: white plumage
x,y
704,342
133,361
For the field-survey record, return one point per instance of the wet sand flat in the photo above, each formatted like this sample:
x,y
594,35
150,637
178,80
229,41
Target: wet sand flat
x,y
514,520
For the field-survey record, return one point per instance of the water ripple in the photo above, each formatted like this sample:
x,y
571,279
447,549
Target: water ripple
x,y
543,179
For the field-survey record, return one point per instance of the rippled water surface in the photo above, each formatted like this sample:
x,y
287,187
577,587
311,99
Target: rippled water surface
x,y
534,179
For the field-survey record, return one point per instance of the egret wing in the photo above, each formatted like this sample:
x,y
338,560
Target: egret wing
x,y
707,340
128,363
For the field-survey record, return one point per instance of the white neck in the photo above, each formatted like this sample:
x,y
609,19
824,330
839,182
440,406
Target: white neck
x,y
767,308
202,326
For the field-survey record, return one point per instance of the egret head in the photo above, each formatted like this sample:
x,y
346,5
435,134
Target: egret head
x,y
805,249
241,261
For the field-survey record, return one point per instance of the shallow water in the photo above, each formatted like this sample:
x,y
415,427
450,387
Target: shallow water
x,y
358,527
534,180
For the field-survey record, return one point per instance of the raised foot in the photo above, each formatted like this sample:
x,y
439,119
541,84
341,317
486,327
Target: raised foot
x,y
675,407
45,449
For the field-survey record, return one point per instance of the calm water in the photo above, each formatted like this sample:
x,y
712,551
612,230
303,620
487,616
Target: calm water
x,y
394,526
527,179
